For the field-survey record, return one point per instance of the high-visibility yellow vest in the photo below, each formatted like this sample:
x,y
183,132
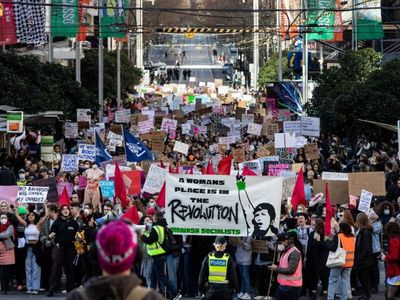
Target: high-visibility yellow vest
x,y
155,248
218,268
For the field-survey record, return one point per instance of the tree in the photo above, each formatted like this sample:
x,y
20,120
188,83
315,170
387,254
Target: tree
x,y
344,95
269,72
130,75
34,87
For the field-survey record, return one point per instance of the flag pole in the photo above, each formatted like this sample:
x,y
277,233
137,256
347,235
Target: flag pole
x,y
101,65
78,61
119,45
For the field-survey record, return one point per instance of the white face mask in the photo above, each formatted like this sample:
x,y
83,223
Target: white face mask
x,y
86,211
281,247
3,221
386,211
22,176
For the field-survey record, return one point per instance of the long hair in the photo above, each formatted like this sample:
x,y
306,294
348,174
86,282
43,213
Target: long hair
x,y
37,217
345,229
362,222
392,229
348,218
319,226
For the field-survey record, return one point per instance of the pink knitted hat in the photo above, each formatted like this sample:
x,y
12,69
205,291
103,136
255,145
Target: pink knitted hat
x,y
116,247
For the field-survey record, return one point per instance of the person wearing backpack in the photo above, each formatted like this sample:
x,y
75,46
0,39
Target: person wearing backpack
x,y
158,244
117,249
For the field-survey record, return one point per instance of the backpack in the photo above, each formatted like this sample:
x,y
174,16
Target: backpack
x,y
169,244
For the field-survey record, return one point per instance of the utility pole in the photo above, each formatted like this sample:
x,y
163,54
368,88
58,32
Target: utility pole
x,y
101,65
305,54
51,56
78,61
354,36
256,37
119,45
139,36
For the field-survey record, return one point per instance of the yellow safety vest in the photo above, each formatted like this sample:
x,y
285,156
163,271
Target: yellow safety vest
x,y
218,268
155,248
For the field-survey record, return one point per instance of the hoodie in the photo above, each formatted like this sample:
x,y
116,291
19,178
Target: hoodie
x,y
115,287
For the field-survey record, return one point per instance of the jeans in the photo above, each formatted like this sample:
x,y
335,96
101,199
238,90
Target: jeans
x,y
172,269
146,270
32,270
245,278
158,268
339,277
188,278
287,293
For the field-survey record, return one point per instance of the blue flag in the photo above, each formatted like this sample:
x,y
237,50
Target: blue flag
x,y
101,152
135,150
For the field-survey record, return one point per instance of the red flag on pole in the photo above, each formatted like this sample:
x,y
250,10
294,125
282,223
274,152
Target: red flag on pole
x,y
210,169
162,164
298,195
224,166
64,198
248,172
120,190
329,211
132,215
161,197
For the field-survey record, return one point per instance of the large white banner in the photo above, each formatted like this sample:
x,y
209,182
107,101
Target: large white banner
x,y
223,205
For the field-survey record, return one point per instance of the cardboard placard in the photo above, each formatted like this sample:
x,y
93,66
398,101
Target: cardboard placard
x,y
269,129
239,112
238,155
259,246
235,240
263,151
311,151
373,182
117,129
338,190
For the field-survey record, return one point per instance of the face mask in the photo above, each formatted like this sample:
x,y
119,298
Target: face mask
x,y
386,211
22,176
3,221
86,211
281,247
299,211
151,204
149,226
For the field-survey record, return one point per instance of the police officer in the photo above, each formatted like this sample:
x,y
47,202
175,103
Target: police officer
x,y
290,277
218,273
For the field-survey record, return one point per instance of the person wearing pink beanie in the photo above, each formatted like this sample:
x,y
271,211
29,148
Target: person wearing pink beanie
x,y
117,248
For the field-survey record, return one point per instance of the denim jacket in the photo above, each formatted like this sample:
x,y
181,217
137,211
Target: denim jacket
x,y
376,236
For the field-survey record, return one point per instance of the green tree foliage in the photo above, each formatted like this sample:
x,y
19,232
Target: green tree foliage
x,y
130,75
359,89
269,72
34,87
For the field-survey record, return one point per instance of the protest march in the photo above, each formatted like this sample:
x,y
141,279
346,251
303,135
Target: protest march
x,y
192,170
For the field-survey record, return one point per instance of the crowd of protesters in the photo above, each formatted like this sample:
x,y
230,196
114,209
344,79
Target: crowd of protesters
x,y
41,244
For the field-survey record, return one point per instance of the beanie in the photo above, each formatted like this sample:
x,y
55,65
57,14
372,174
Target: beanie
x,y
116,247
22,210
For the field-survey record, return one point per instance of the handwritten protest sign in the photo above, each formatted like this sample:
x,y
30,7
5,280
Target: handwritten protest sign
x,y
123,116
145,126
259,246
70,162
285,140
87,152
286,155
253,165
335,176
188,108
71,130
311,151
247,118
254,129
107,188
154,180
83,115
275,169
181,147
269,129
186,128
32,194
169,124
292,126
288,187
365,201
310,126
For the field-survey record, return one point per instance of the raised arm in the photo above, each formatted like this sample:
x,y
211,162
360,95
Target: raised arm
x,y
44,218
19,218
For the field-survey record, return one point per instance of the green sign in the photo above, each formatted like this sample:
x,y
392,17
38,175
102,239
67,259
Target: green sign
x,y
113,17
369,21
64,18
15,121
191,98
321,22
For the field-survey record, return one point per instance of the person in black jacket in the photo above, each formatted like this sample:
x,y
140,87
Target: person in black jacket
x,y
63,232
219,286
363,257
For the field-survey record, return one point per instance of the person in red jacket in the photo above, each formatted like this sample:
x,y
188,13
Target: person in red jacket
x,y
392,259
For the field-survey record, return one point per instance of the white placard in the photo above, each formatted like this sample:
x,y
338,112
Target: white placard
x,y
145,126
154,180
168,124
247,118
186,128
310,126
292,126
365,201
210,205
181,147
87,152
188,108
83,115
300,141
335,176
114,139
70,162
285,140
254,129
32,194
123,116
253,165
71,130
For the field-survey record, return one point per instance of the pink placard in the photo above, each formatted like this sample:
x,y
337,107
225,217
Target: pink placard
x,y
8,193
82,182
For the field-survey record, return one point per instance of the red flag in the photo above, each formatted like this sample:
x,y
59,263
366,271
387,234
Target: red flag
x,y
170,170
204,171
177,168
329,211
132,215
120,190
298,195
8,35
190,171
248,172
64,198
210,169
161,165
161,197
224,166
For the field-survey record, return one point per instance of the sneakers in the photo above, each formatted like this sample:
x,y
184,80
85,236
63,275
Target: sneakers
x,y
259,297
177,297
35,292
29,292
245,296
240,295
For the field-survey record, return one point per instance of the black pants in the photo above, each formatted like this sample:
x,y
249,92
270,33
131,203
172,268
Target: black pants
x,y
218,292
20,255
46,268
262,280
374,271
63,257
363,277
287,293
5,271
